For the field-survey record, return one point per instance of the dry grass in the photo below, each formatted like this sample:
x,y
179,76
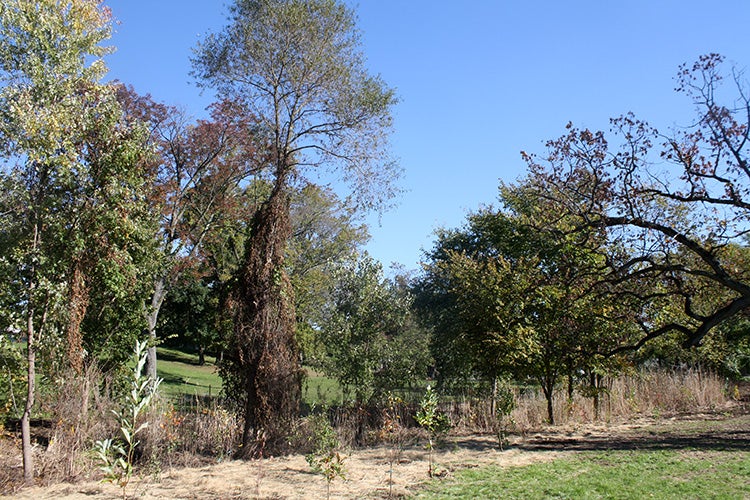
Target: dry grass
x,y
205,432
188,436
650,393
80,415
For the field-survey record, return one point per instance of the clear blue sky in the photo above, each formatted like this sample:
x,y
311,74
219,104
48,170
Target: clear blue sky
x,y
478,81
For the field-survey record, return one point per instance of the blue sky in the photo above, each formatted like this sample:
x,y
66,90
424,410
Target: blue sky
x,y
478,82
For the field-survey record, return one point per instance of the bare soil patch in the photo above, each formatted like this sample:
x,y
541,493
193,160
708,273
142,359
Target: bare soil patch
x,y
368,469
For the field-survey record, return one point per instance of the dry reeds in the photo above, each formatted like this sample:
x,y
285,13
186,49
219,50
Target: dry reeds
x,y
205,431
80,414
651,393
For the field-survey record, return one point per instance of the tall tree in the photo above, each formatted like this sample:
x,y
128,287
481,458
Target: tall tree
x,y
295,65
670,203
196,170
69,159
325,235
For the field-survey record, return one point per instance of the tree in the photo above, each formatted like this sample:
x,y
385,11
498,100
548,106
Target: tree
x,y
725,351
196,170
296,66
670,204
69,160
516,294
371,343
325,236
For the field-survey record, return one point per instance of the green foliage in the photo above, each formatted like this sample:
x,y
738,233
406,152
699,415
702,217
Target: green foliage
x,y
191,315
433,420
514,292
505,402
668,205
297,67
12,378
304,56
611,474
372,344
429,416
326,234
117,456
79,233
324,458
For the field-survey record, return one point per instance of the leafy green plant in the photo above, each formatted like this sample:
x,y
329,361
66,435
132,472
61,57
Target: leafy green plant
x,y
435,422
117,455
12,376
505,403
324,458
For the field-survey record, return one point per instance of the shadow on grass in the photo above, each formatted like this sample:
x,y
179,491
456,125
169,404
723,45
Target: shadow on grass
x,y
726,434
723,441
179,357
731,434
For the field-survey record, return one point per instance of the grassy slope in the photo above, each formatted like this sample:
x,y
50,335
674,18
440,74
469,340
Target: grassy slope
x,y
183,376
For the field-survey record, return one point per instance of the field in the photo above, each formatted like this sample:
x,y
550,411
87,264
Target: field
x,y
655,445
184,378
680,456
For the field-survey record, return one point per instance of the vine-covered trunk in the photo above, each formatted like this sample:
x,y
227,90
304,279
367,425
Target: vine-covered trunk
x,y
78,301
264,343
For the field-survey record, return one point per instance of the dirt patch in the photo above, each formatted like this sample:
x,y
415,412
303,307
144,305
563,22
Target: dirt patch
x,y
368,470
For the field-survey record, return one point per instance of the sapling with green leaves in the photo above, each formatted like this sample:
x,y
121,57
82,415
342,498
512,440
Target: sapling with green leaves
x,y
433,421
117,455
325,458
504,404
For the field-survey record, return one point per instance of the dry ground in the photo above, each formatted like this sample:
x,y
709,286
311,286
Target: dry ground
x,y
368,469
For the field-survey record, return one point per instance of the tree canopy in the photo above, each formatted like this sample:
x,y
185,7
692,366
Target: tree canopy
x,y
672,204
295,66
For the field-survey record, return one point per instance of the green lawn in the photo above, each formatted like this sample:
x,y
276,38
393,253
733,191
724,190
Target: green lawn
x,y
184,377
317,389
611,475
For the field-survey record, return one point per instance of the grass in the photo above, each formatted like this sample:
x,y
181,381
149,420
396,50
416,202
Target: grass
x,y
609,474
317,389
183,376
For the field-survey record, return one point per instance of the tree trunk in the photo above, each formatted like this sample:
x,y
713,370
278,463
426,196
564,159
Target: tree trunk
x,y
264,343
571,385
548,387
28,459
493,403
550,410
152,315
595,383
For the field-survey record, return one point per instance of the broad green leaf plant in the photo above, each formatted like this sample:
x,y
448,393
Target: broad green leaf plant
x,y
433,421
117,455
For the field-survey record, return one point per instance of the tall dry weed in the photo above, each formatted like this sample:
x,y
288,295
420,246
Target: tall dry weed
x,y
651,393
80,414
189,435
